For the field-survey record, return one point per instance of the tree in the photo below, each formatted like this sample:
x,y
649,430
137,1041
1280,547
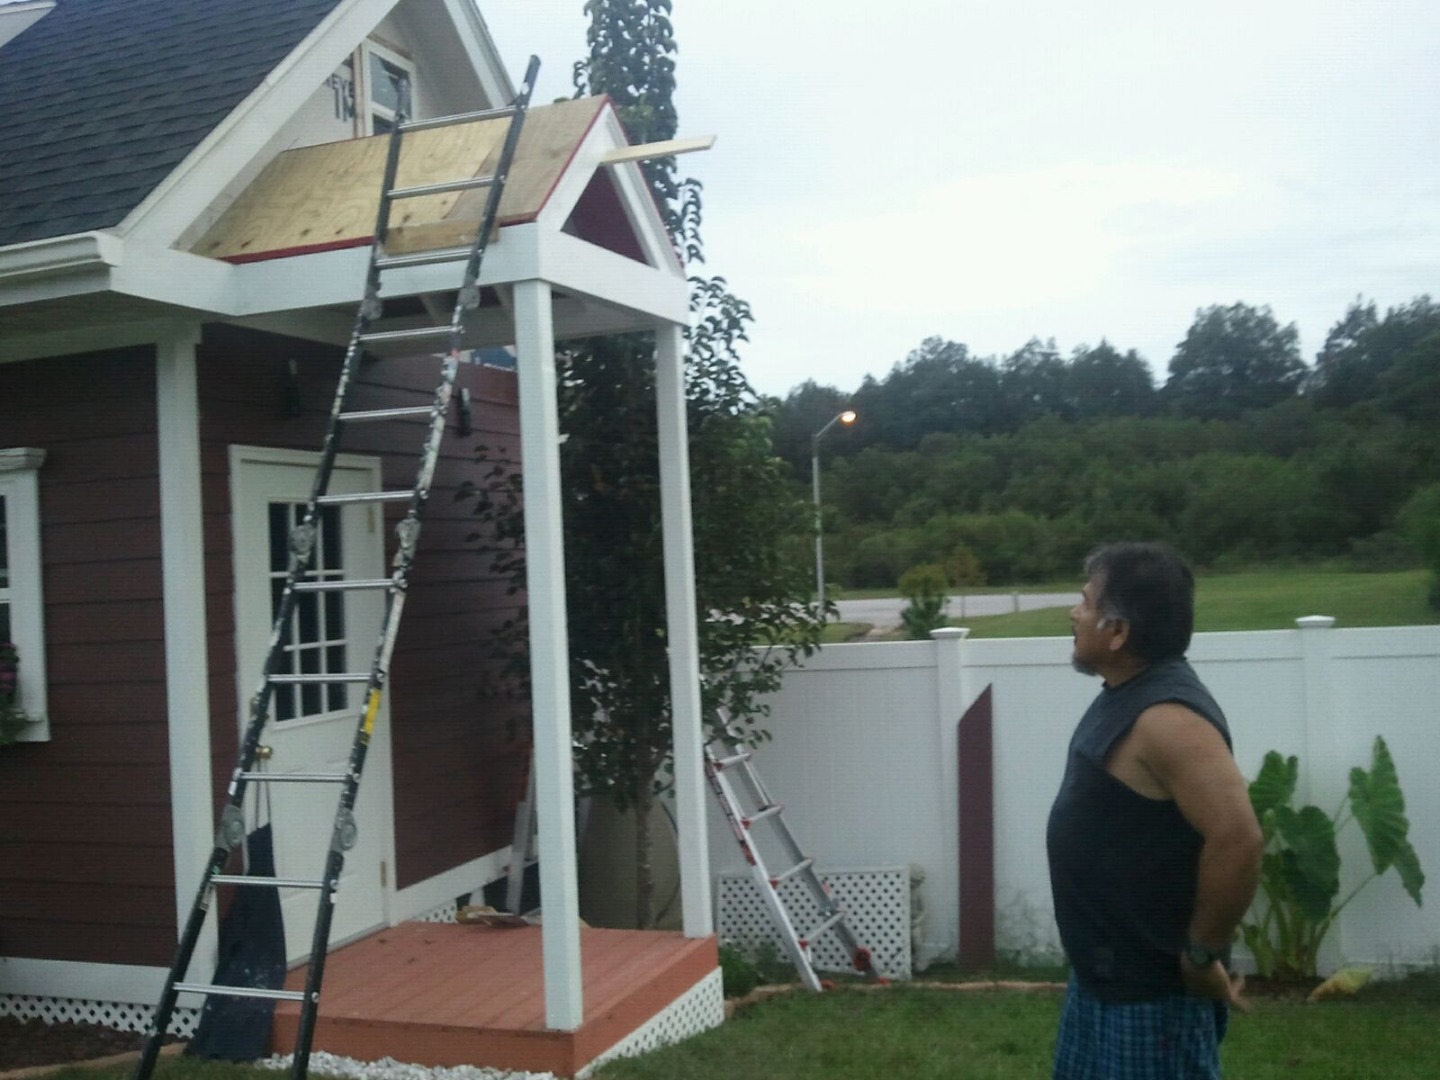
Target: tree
x,y
752,580
1033,383
1102,382
1234,359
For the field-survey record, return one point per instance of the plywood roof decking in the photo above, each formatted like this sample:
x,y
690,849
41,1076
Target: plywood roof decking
x,y
320,197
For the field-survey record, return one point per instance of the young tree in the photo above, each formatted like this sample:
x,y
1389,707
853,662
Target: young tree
x,y
752,579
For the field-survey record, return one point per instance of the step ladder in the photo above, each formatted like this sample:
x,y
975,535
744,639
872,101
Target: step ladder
x,y
748,808
445,341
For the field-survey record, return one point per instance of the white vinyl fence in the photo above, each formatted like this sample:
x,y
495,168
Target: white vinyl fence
x,y
864,759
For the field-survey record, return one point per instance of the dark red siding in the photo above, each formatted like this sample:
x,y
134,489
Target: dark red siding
x,y
85,833
456,771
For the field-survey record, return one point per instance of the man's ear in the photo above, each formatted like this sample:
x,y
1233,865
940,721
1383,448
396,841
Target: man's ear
x,y
1119,631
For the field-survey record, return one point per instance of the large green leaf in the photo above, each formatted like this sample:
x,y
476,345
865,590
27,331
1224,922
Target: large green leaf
x,y
1275,785
1379,807
1310,859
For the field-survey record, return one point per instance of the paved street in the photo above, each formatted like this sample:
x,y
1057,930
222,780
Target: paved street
x,y
885,612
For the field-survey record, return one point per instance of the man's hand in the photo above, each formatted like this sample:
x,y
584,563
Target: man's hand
x,y
1214,983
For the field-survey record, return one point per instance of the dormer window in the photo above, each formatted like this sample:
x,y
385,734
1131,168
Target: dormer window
x,y
378,87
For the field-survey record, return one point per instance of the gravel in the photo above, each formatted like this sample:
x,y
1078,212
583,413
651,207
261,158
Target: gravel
x,y
323,1064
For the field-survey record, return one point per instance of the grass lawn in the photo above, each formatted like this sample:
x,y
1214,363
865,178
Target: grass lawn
x,y
1253,600
927,1034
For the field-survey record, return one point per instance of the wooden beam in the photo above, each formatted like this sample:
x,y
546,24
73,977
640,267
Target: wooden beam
x,y
647,151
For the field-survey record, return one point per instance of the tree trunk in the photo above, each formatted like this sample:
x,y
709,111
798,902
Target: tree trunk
x,y
644,876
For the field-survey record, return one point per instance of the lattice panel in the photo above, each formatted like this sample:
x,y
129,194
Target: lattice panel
x,y
120,1015
700,1008
876,902
445,913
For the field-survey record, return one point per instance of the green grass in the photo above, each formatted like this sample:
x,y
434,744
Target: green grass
x,y
1261,600
924,1034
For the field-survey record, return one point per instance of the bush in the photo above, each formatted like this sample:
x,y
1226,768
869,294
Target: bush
x,y
1419,519
927,590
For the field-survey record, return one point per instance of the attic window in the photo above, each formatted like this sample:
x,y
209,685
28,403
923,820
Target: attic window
x,y
383,71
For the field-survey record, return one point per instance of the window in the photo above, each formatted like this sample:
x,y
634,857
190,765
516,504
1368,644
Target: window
x,y
313,640
377,88
22,616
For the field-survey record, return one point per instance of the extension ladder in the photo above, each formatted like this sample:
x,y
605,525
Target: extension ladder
x,y
447,337
725,753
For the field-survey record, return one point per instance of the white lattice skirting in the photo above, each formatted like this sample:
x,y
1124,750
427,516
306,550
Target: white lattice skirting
x,y
876,902
700,1008
123,1016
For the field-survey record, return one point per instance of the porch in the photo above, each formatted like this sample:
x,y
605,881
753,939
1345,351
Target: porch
x,y
444,994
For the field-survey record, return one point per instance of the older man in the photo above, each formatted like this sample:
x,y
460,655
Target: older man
x,y
1154,848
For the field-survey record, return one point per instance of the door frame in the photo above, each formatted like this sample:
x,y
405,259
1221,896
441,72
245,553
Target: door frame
x,y
379,770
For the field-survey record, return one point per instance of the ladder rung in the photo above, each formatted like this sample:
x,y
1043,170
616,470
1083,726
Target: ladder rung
x,y
344,586
761,815
240,991
441,187
457,118
364,497
733,759
296,777
803,864
267,882
385,414
419,333
321,680
826,925
422,258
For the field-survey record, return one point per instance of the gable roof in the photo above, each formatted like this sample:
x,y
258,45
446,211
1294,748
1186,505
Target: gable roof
x,y
106,97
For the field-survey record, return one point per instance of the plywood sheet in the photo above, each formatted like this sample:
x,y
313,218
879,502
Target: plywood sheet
x,y
327,196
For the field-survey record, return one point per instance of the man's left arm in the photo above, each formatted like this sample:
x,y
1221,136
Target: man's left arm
x,y
1188,757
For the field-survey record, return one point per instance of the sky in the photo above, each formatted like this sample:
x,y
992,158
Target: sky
x,y
988,172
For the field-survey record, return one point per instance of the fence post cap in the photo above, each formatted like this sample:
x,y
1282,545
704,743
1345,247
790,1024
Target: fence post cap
x,y
950,633
1315,622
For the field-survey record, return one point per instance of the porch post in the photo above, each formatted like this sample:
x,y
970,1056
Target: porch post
x,y
549,654
681,631
186,668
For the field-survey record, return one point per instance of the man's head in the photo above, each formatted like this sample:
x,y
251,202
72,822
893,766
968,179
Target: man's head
x,y
1148,589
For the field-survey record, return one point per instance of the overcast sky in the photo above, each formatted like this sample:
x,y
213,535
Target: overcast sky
x,y
990,171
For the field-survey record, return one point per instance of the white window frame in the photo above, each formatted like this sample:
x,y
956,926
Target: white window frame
x,y
19,469
366,108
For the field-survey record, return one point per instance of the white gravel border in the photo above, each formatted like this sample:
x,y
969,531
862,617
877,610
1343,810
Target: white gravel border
x,y
323,1064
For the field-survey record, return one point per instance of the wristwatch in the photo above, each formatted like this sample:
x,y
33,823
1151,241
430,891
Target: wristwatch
x,y
1200,956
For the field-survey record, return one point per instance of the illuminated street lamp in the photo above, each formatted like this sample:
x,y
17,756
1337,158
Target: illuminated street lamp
x,y
847,417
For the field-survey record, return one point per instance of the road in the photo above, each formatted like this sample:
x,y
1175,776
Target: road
x,y
885,612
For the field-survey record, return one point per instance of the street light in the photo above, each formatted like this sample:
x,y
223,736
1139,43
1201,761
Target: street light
x,y
847,417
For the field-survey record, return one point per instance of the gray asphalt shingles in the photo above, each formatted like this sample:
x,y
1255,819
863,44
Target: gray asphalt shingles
x,y
106,97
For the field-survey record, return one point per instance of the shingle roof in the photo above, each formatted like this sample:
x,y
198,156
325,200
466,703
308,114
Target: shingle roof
x,y
103,98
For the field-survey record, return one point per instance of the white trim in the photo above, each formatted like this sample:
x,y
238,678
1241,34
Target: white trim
x,y
549,655
415,900
60,255
21,491
75,979
361,64
187,672
681,633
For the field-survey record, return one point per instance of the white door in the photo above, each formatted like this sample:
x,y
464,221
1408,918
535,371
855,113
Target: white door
x,y
312,727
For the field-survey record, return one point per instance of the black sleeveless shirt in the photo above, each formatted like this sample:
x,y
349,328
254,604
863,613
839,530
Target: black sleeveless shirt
x,y
1123,867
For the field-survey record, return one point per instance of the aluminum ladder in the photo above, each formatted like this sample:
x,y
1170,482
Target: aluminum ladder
x,y
445,340
747,805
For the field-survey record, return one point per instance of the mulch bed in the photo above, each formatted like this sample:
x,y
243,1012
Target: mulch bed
x,y
25,1043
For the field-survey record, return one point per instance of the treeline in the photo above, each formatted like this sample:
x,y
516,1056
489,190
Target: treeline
x,y
1009,469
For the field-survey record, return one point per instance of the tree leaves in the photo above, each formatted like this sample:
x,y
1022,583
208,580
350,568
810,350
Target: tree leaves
x,y
1379,807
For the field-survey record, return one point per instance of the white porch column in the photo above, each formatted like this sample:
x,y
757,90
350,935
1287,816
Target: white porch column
x,y
187,695
681,632
549,654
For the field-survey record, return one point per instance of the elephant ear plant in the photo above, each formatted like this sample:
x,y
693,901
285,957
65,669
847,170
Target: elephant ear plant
x,y
1300,875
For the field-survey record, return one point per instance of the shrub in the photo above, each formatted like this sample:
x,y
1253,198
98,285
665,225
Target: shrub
x,y
926,589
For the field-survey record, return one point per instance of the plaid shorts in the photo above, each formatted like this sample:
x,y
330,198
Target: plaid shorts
x,y
1173,1038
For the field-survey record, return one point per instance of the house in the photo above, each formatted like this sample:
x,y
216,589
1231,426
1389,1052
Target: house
x,y
187,197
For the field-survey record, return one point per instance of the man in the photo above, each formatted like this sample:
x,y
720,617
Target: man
x,y
1154,848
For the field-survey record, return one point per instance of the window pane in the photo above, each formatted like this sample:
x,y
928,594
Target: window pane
x,y
279,538
385,84
4,620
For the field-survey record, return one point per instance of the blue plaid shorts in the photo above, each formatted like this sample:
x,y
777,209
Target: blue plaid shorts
x,y
1173,1038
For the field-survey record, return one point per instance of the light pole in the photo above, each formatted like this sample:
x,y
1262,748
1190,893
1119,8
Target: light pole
x,y
847,417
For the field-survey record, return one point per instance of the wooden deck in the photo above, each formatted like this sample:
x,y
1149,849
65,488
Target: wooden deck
x,y
451,994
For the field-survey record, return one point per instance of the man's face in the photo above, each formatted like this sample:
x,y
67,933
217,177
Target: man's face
x,y
1088,630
